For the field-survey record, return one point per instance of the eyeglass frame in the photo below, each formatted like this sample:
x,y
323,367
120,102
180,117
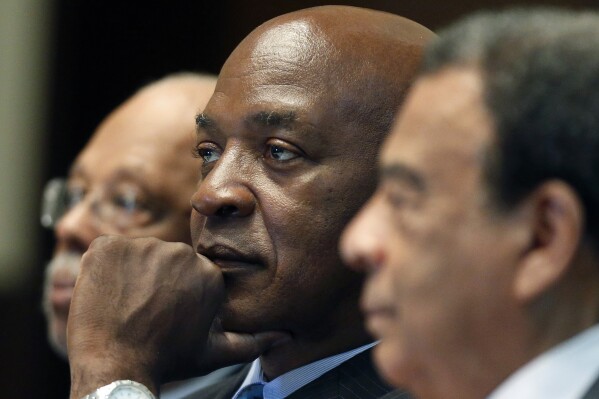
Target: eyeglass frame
x,y
57,201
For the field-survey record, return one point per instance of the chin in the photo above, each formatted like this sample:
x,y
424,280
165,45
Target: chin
x,y
233,319
240,315
388,361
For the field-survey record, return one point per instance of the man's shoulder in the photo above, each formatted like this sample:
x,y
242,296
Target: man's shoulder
x,y
223,389
352,379
355,378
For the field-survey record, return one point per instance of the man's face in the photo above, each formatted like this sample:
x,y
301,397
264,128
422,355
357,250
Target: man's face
x,y
135,178
438,255
282,174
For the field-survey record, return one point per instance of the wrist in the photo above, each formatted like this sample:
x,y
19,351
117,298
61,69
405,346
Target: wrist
x,y
87,375
122,389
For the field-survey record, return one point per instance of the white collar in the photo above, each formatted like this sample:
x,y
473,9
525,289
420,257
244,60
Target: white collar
x,y
566,371
293,380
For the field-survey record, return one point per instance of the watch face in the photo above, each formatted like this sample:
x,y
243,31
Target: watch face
x,y
128,392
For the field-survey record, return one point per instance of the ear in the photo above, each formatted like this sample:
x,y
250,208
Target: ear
x,y
557,224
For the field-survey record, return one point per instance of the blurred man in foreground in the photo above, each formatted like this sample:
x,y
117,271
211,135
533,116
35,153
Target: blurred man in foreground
x,y
134,178
481,240
288,144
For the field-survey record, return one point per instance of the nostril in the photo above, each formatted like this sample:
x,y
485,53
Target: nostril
x,y
227,210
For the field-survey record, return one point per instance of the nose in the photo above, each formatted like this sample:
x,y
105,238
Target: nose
x,y
76,229
224,192
363,242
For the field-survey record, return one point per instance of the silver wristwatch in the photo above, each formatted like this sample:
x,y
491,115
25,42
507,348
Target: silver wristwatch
x,y
122,389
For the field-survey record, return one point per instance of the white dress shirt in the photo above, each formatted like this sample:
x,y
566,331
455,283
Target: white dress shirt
x,y
566,371
293,380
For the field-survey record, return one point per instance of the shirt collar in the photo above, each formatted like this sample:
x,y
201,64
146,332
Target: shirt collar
x,y
293,380
566,371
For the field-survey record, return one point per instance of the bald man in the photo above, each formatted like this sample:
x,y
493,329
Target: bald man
x,y
134,178
288,146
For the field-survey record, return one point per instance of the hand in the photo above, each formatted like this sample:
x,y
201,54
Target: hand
x,y
144,309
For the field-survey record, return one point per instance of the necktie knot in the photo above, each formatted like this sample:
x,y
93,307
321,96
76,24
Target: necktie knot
x,y
252,391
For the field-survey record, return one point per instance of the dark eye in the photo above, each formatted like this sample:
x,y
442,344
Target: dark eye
x,y
279,153
400,195
128,202
206,153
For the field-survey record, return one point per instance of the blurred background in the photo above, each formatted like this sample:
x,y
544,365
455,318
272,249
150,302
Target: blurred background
x,y
63,66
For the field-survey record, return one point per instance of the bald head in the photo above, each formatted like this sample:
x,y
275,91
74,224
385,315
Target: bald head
x,y
363,60
154,132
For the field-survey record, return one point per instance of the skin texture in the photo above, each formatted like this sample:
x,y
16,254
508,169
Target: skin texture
x,y
288,143
142,148
457,289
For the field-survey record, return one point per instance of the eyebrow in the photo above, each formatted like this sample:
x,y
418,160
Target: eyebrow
x,y
276,119
76,170
205,122
402,173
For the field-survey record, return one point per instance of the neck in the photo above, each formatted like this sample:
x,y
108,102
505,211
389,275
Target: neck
x,y
567,309
302,350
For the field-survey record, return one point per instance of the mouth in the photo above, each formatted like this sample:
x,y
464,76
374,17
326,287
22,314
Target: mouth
x,y
379,320
231,260
61,294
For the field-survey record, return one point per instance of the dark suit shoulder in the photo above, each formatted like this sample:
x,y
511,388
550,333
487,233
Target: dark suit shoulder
x,y
354,379
224,389
593,392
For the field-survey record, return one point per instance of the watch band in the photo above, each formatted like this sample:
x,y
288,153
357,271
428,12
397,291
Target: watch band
x,y
106,391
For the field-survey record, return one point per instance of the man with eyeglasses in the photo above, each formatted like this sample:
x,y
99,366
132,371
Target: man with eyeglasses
x,y
134,178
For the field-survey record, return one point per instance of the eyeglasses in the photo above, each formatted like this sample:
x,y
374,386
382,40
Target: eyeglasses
x,y
118,206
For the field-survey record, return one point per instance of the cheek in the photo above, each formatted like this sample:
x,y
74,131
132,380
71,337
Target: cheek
x,y
196,223
440,297
306,217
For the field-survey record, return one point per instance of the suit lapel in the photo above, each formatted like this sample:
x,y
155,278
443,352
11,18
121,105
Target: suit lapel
x,y
353,379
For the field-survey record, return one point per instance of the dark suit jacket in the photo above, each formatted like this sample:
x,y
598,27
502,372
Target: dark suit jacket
x,y
353,379
593,392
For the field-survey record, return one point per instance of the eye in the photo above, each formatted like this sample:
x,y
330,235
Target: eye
x,y
73,196
395,199
128,202
207,152
400,196
281,151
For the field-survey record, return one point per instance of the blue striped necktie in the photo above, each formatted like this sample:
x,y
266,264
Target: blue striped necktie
x,y
252,391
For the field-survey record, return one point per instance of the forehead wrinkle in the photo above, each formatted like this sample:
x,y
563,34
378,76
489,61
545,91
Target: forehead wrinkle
x,y
293,44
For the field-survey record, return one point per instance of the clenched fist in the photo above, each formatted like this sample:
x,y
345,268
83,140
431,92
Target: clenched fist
x,y
144,310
